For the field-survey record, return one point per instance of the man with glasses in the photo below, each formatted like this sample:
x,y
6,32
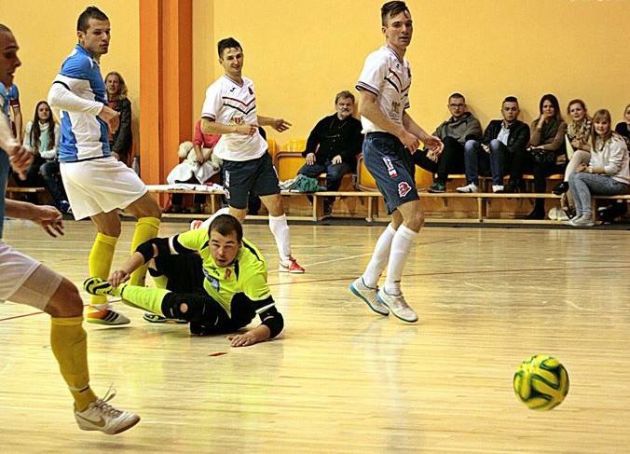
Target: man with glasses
x,y
502,148
454,133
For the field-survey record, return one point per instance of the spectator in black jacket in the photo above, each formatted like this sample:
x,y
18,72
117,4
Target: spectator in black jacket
x,y
120,141
502,142
333,145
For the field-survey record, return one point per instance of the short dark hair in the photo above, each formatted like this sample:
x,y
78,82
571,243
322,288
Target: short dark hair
x,y
226,224
227,43
458,96
510,99
390,9
91,12
344,94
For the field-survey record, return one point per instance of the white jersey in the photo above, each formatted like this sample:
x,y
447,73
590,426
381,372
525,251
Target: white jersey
x,y
232,104
389,80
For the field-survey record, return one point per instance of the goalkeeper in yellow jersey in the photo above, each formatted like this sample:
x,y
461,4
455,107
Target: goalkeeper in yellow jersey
x,y
213,278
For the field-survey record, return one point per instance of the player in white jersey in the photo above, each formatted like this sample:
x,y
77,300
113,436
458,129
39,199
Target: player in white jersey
x,y
97,184
26,281
391,136
230,110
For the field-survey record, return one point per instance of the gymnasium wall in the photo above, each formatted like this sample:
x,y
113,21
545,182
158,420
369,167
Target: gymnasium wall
x,y
300,53
46,33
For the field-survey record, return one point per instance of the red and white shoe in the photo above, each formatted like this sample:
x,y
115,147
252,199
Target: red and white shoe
x,y
292,266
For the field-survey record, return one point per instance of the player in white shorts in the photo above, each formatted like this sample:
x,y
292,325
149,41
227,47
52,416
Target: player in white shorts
x,y
26,281
98,185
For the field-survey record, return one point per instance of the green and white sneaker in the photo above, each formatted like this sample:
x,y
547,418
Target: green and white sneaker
x,y
103,417
397,306
368,295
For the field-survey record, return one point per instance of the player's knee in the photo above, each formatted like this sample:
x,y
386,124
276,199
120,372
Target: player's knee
x,y
66,301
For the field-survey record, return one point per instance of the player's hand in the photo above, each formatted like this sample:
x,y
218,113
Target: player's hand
x,y
434,144
20,159
49,218
486,148
336,159
242,340
248,130
111,117
118,277
280,125
409,141
581,167
310,159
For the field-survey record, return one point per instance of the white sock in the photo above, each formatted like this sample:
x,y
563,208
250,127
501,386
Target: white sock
x,y
401,245
379,257
280,229
207,222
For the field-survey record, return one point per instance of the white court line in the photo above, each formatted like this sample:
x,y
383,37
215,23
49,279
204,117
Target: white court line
x,y
339,259
572,304
474,286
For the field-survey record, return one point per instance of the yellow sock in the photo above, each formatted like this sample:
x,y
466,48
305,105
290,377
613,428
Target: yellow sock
x,y
100,261
68,340
147,298
146,228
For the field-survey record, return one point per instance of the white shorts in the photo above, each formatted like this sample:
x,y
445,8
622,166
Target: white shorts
x,y
25,280
100,186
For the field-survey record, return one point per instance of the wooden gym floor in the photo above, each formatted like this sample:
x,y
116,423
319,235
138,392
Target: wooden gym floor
x,y
340,378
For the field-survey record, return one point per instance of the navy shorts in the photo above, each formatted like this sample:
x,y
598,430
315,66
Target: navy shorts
x,y
240,178
392,167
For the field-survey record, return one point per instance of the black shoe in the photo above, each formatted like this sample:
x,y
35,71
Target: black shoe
x,y
512,187
328,209
536,215
561,188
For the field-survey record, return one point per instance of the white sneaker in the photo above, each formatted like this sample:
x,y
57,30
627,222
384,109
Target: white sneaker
x,y
582,221
562,215
471,187
101,416
397,306
368,295
498,188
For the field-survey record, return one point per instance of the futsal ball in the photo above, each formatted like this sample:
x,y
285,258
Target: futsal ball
x,y
541,382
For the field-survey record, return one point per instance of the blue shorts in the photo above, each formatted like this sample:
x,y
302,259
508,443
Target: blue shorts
x,y
240,178
392,167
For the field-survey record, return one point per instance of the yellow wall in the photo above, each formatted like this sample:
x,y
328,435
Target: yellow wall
x,y
46,33
301,52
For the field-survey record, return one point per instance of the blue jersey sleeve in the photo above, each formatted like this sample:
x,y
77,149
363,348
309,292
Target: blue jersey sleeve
x,y
77,66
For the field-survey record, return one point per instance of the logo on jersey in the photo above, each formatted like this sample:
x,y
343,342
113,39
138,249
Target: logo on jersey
x,y
391,170
396,107
214,282
403,188
228,273
251,92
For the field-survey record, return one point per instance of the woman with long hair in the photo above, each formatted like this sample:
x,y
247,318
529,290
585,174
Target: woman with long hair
x,y
42,137
119,142
607,172
623,127
547,150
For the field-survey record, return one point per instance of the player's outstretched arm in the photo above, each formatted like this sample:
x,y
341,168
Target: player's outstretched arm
x,y
279,124
432,142
48,217
209,126
259,334
272,325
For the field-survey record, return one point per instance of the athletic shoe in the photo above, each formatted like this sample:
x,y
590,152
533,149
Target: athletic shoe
x,y
107,317
99,415
97,286
560,188
397,306
194,225
155,318
292,266
368,295
469,188
437,187
498,188
582,221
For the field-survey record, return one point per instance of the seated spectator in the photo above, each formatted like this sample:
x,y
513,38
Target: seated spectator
x,y
454,133
577,141
623,127
332,146
547,151
197,165
41,138
12,95
120,142
607,172
502,141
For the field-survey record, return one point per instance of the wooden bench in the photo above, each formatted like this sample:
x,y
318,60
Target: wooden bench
x,y
13,191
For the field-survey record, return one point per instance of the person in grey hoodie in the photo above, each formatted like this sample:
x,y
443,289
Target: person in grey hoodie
x,y
454,132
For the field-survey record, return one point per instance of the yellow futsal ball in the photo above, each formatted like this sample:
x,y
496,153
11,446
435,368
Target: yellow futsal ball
x,y
541,382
